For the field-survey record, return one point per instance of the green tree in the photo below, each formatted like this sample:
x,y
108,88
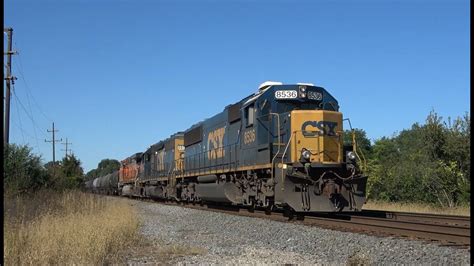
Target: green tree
x,y
449,148
69,173
363,147
23,171
92,174
426,163
363,143
458,145
105,166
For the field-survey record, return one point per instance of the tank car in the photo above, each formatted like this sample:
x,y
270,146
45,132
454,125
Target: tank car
x,y
88,186
108,184
95,185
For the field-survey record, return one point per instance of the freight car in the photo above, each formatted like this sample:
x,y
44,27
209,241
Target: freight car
x,y
88,185
279,148
107,184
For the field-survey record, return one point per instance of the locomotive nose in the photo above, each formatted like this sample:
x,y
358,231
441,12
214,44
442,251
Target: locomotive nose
x,y
316,136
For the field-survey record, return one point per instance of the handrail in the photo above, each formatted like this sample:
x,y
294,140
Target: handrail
x,y
283,156
279,142
208,164
354,146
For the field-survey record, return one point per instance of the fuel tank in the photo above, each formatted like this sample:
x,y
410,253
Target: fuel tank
x,y
219,192
154,192
127,190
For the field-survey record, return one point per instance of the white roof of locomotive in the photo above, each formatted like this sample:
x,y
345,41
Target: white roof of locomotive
x,y
307,84
265,86
268,84
261,89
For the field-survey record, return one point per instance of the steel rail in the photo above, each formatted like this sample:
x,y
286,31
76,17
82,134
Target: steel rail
x,y
444,233
419,217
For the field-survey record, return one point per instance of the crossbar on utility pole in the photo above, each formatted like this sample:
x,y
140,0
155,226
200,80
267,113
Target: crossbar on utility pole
x,y
10,80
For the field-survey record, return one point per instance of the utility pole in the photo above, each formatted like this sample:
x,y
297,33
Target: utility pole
x,y
10,80
66,146
54,142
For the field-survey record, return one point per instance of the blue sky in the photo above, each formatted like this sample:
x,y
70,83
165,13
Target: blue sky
x,y
117,76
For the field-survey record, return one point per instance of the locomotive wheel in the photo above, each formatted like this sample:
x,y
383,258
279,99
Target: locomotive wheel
x,y
252,205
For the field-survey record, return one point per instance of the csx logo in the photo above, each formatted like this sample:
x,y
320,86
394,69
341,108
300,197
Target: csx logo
x,y
324,128
215,143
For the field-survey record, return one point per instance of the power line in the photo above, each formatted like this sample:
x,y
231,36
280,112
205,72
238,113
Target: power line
x,y
24,131
21,129
28,103
19,116
29,116
27,134
19,119
28,90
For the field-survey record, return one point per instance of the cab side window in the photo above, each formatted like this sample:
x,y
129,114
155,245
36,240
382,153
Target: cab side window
x,y
264,111
249,115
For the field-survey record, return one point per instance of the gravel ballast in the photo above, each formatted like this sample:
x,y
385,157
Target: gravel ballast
x,y
204,237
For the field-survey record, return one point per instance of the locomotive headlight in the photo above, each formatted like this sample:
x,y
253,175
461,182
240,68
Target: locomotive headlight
x,y
302,89
306,154
351,155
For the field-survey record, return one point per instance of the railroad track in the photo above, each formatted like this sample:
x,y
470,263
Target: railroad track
x,y
446,230
442,229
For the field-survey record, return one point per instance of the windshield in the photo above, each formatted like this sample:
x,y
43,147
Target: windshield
x,y
284,107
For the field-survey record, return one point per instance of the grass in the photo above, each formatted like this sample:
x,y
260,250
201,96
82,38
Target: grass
x,y
67,228
416,207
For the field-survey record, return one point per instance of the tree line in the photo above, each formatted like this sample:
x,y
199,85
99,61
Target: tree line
x,y
25,173
427,163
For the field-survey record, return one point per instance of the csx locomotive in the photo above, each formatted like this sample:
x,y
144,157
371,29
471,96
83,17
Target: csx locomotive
x,y
280,148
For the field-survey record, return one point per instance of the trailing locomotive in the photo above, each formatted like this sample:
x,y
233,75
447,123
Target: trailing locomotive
x,y
281,147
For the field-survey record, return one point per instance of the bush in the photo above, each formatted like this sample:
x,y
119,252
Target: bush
x,y
427,163
23,170
25,173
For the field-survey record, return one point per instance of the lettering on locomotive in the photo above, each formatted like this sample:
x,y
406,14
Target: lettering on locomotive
x,y
215,144
324,128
